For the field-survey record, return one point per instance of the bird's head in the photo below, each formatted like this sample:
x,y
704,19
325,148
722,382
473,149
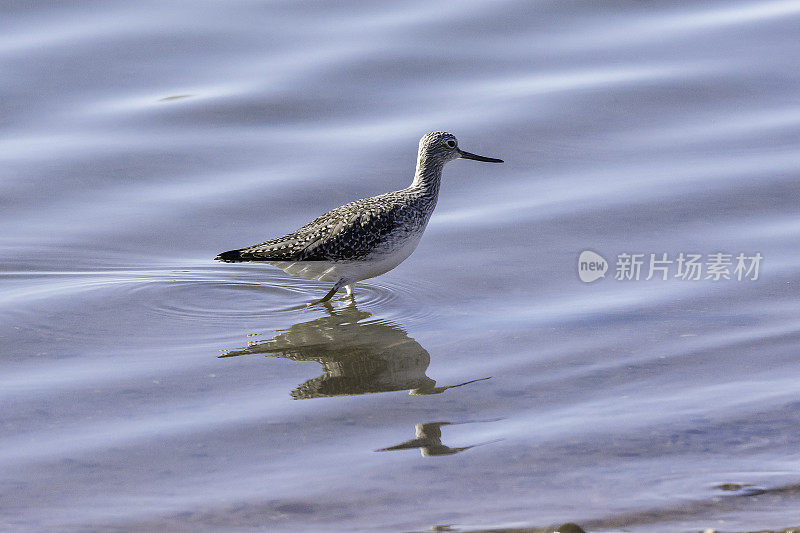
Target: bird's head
x,y
441,146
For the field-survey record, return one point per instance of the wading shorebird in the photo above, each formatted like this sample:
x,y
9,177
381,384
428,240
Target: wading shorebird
x,y
365,238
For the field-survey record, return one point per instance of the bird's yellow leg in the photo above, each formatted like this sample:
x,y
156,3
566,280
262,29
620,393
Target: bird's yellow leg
x,y
330,294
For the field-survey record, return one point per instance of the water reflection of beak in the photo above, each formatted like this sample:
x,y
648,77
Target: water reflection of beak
x,y
421,391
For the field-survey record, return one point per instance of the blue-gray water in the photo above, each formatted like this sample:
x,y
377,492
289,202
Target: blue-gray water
x,y
139,139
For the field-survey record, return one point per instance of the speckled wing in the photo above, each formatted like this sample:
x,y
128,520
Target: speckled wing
x,y
350,232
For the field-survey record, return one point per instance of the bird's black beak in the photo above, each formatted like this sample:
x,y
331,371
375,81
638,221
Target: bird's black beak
x,y
467,155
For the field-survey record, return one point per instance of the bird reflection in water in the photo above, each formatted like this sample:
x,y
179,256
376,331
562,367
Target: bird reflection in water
x,y
357,356
428,438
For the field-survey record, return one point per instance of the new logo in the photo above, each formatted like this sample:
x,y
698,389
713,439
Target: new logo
x,y
591,266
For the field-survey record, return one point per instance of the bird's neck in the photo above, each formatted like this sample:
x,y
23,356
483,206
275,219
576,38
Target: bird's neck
x,y
428,176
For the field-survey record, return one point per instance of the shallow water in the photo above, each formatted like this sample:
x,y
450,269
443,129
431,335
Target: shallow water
x,y
479,385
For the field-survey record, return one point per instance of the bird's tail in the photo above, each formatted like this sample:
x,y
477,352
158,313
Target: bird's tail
x,y
231,256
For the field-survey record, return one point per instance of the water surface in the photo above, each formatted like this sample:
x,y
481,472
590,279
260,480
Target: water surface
x,y
480,384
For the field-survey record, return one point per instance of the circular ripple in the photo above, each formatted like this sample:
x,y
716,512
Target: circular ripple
x,y
203,303
248,291
209,293
400,301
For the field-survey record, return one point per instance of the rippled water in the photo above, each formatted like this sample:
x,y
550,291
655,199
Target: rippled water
x,y
480,384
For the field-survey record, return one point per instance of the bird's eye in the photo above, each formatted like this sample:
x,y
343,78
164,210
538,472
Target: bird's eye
x,y
451,144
